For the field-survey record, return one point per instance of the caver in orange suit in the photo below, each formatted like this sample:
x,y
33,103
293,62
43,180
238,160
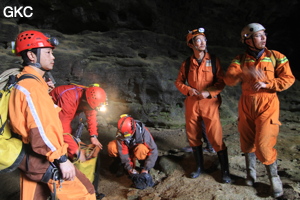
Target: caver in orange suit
x,y
262,73
202,101
259,110
34,117
45,136
201,78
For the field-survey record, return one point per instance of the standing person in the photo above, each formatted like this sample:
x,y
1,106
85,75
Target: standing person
x,y
34,117
202,102
73,100
134,141
262,72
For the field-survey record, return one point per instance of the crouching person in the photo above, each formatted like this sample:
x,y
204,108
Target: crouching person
x,y
45,170
134,143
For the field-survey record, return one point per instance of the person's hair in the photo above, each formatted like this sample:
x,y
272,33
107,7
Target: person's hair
x,y
24,56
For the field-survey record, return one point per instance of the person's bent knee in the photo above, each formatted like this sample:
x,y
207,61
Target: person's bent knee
x,y
141,152
112,148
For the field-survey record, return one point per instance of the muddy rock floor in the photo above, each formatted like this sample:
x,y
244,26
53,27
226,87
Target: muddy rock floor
x,y
175,163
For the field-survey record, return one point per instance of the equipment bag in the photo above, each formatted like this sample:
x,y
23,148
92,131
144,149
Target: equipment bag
x,y
91,154
11,147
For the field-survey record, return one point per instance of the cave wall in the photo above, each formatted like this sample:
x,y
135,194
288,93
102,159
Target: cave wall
x,y
134,48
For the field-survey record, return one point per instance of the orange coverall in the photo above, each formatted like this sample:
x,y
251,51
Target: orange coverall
x,y
201,77
258,121
34,117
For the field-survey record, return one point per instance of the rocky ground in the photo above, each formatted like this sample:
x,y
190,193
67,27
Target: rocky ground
x,y
174,164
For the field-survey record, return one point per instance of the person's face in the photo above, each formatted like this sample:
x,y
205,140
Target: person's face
x,y
199,42
47,58
258,40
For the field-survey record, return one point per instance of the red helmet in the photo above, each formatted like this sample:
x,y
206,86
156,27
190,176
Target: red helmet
x,y
95,96
194,33
126,125
33,39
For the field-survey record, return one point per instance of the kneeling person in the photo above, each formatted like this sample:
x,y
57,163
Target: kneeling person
x,y
134,142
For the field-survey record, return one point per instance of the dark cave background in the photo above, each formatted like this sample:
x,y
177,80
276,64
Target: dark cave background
x,y
135,48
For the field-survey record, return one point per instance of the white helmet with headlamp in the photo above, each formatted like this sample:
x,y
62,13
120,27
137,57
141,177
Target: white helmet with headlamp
x,y
250,29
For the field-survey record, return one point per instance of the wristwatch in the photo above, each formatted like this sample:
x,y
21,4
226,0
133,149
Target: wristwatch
x,y
94,136
62,159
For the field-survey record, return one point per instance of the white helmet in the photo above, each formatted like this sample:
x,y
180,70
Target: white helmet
x,y
250,29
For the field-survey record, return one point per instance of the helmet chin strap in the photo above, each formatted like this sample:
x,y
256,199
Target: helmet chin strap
x,y
252,47
38,64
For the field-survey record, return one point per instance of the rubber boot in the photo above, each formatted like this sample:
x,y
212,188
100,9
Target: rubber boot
x,y
198,154
223,158
276,184
250,159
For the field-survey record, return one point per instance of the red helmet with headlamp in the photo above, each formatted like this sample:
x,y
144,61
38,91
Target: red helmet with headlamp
x,y
33,39
95,96
126,125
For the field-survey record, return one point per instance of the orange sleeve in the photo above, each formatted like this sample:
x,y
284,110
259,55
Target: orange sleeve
x,y
34,117
234,72
180,81
283,74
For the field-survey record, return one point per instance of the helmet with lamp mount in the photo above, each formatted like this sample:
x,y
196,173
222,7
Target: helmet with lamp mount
x,y
33,39
250,29
126,125
96,97
194,33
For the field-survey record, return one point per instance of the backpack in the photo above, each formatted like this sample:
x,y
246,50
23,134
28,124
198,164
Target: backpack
x,y
11,146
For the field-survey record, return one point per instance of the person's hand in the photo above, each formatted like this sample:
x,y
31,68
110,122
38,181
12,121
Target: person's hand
x,y
193,92
144,171
50,85
81,155
258,85
257,74
204,94
96,142
67,170
132,171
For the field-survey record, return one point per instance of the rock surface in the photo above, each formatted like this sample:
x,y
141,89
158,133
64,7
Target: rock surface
x,y
134,50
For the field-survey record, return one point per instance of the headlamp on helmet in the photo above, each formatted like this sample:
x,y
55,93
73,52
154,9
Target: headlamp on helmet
x,y
126,125
96,97
33,39
194,33
250,29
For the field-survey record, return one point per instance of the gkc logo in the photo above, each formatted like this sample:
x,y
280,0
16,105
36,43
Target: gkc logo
x,y
14,11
